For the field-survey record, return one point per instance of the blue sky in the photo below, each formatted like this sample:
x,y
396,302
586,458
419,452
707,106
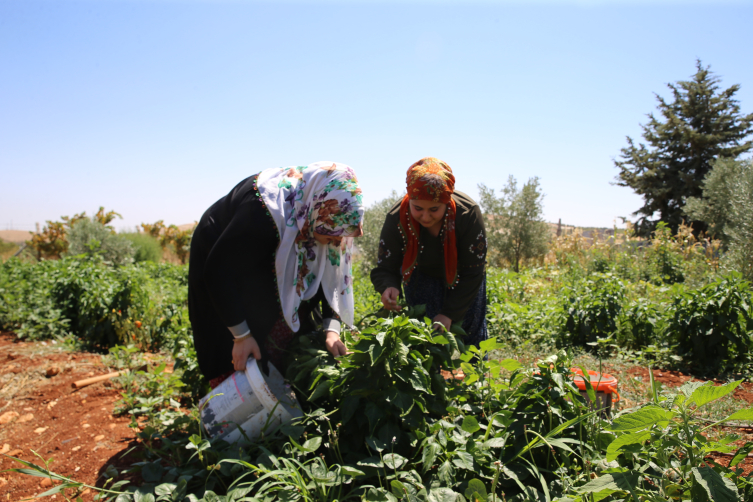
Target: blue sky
x,y
158,108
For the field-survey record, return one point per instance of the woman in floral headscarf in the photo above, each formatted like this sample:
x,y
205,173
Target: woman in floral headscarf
x,y
433,247
264,256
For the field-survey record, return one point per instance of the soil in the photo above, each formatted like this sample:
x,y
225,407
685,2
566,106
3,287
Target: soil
x,y
676,378
73,427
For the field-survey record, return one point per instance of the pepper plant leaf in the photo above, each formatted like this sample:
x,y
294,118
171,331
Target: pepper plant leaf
x,y
429,454
746,414
444,495
741,454
470,425
510,364
718,488
613,450
626,481
707,393
463,460
641,419
394,461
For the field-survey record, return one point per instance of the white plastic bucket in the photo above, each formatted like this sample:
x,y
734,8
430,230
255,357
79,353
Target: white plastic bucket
x,y
248,400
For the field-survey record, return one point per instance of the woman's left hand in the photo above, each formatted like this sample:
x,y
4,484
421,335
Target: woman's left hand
x,y
445,321
334,345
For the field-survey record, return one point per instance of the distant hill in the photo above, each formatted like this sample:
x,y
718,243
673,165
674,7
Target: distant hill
x,y
15,236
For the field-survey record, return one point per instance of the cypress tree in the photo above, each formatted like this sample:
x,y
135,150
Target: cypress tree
x,y
700,125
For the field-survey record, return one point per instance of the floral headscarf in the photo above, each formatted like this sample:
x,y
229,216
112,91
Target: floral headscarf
x,y
430,179
323,197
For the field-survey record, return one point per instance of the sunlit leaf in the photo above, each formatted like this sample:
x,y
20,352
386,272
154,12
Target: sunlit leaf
x,y
613,450
470,425
429,454
463,460
642,419
444,495
475,486
394,461
611,482
746,414
313,444
708,393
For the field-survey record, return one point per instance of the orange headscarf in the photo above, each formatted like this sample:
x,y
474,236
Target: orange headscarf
x,y
429,179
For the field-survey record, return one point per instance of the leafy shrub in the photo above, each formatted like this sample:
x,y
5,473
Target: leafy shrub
x,y
385,389
641,323
515,226
373,220
146,247
591,309
92,238
712,325
101,306
660,452
397,418
665,262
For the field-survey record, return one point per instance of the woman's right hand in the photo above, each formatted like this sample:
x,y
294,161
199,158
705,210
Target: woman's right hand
x,y
242,349
389,299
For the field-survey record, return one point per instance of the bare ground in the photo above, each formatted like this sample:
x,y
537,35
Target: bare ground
x,y
46,415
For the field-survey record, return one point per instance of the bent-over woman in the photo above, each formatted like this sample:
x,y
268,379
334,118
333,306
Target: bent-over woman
x,y
264,257
433,248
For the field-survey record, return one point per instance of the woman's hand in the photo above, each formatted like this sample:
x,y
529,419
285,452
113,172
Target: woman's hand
x,y
334,345
242,349
389,299
441,321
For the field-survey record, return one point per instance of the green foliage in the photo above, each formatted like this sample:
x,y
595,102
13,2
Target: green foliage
x,y
92,238
146,247
516,314
373,220
398,420
701,124
641,324
591,309
728,206
515,228
712,325
392,376
665,265
719,192
99,306
657,452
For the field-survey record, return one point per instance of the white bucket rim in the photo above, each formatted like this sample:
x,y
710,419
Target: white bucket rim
x,y
258,383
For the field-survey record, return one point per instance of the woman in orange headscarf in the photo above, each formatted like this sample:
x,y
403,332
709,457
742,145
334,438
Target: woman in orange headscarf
x,y
433,248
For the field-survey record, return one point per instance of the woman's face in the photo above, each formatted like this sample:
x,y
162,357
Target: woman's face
x,y
427,213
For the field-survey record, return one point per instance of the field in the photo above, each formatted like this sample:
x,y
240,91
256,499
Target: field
x,y
383,424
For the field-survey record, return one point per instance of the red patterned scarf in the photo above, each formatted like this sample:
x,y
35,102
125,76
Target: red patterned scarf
x,y
429,179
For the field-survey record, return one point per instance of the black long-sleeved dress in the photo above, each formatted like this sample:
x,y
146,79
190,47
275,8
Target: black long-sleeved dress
x,y
232,285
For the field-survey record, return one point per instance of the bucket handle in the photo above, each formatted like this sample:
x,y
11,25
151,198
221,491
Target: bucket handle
x,y
613,391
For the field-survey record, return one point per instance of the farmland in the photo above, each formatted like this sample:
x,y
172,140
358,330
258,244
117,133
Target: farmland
x,y
382,423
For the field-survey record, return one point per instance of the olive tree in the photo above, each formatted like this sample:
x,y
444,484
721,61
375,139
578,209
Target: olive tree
x,y
91,237
515,228
727,208
373,219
